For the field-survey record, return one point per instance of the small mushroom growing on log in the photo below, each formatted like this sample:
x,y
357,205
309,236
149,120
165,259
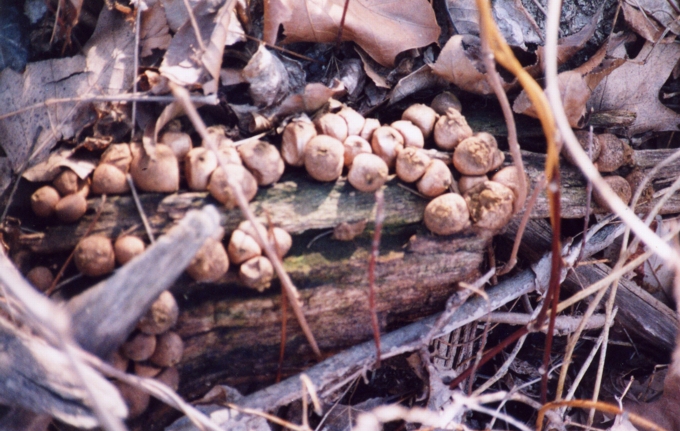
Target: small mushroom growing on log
x,y
40,277
118,155
477,155
368,172
436,180
161,316
509,177
136,399
324,158
155,173
108,179
127,247
242,247
422,116
94,256
583,138
332,125
44,201
279,238
411,164
466,182
146,369
263,160
178,141
170,377
619,185
169,350
68,183
219,186
450,130
635,180
71,208
199,164
210,263
139,347
355,145
614,153
119,361
370,126
295,137
445,101
490,204
447,214
257,273
355,121
387,142
413,136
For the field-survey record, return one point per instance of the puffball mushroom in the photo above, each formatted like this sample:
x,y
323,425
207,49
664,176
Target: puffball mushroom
x,y
219,186
490,205
257,273
169,350
324,157
155,173
199,165
68,182
583,138
445,101
94,256
108,179
136,400
509,177
161,316
118,155
447,214
387,142
119,361
422,116
146,369
411,164
355,145
614,153
450,130
295,137
40,277
332,125
170,377
620,186
44,201
139,347
436,180
127,247
370,126
179,142
242,247
278,237
368,172
263,160
355,121
413,136
210,263
466,182
477,155
71,208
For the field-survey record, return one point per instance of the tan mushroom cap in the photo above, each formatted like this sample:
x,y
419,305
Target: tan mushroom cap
x,y
477,155
263,160
387,142
161,316
219,186
490,205
127,247
94,256
436,180
44,201
447,214
422,116
295,137
368,172
210,263
257,273
108,179
157,173
450,130
324,158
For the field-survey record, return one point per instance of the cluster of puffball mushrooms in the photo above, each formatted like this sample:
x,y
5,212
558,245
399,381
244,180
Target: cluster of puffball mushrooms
x,y
153,350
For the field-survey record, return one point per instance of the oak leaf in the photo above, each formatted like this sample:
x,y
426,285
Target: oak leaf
x,y
382,28
635,87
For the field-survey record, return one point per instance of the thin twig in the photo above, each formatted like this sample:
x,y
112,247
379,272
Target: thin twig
x,y
194,25
140,209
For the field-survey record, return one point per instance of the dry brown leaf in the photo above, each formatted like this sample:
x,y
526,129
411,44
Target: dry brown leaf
x,y
643,24
154,32
82,164
665,12
184,63
460,63
382,28
635,87
268,78
105,68
576,86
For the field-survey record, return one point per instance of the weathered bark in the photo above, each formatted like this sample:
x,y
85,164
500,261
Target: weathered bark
x,y
299,204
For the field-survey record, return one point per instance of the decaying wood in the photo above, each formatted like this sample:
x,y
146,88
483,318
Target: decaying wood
x,y
298,204
649,322
244,332
329,374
